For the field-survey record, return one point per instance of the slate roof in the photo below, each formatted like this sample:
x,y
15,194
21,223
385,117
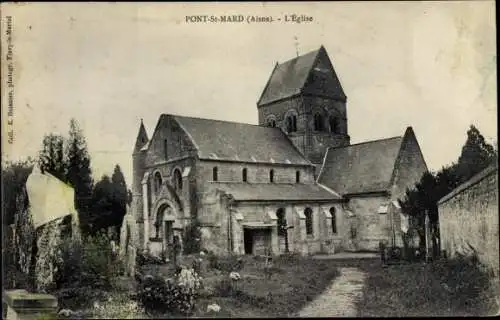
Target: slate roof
x,y
289,78
276,191
223,140
491,169
361,168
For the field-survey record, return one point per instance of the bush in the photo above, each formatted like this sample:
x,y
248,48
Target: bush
x,y
146,258
467,280
158,295
224,288
226,263
192,238
83,269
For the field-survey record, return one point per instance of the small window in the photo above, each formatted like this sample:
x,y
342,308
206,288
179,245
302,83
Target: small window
x,y
272,123
297,176
318,122
309,221
178,179
165,148
334,219
244,174
271,176
157,182
215,174
291,123
333,125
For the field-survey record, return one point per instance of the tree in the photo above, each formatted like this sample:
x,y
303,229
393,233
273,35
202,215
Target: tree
x,y
109,202
79,172
15,229
423,197
119,197
102,206
51,158
476,155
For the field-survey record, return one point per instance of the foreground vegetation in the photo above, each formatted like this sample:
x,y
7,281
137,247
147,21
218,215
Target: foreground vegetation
x,y
458,287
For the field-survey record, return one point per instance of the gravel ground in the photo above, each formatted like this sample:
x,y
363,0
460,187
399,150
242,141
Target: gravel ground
x,y
339,299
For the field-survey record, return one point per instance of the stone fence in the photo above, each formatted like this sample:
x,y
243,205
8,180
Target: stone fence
x,y
22,305
468,218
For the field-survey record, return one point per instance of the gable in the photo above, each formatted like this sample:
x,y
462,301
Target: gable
x,y
361,168
410,165
168,134
323,79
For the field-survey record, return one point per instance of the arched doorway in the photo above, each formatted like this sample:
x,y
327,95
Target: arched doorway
x,y
161,232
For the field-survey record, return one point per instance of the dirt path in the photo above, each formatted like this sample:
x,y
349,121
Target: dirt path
x,y
338,300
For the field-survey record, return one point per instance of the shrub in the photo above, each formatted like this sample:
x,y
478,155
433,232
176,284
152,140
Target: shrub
x,y
467,280
146,258
158,295
224,288
83,269
192,238
226,264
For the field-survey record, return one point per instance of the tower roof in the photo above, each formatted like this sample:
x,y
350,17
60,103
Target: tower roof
x,y
290,77
142,138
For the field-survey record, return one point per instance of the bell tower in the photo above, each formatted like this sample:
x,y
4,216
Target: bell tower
x,y
304,98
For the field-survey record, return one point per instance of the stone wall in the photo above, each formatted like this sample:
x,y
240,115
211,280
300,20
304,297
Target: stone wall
x,y
217,210
468,217
371,226
256,172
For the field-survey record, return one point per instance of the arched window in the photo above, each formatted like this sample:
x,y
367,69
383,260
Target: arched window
x,y
334,219
291,123
297,176
318,122
333,124
272,123
178,179
244,174
309,220
157,182
281,221
158,223
271,176
215,174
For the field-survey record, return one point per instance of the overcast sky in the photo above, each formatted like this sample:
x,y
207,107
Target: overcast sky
x,y
429,65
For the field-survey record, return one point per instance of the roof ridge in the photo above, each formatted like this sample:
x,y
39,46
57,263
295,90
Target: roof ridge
x,y
366,142
217,120
298,57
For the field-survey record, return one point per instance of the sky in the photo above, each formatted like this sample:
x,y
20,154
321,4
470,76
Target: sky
x,y
429,65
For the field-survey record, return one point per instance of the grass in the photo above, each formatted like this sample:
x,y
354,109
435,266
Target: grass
x,y
443,288
293,282
453,288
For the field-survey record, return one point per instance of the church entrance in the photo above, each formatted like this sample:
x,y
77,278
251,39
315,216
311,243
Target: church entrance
x,y
248,241
257,239
168,238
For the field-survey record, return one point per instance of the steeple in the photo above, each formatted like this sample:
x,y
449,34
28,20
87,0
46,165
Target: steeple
x,y
142,138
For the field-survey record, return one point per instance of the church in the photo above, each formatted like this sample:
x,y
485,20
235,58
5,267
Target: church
x,y
292,183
